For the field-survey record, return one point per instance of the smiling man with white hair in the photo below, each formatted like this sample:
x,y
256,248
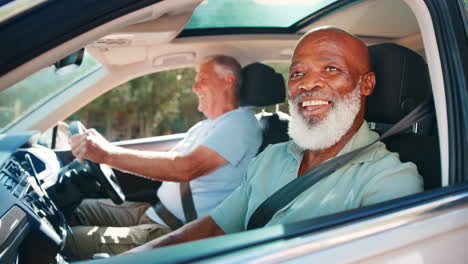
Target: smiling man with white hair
x,y
329,80
202,170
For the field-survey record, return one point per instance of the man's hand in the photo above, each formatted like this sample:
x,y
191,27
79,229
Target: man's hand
x,y
201,228
91,146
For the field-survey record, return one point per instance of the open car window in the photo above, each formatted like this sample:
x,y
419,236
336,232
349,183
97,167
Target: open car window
x,y
157,104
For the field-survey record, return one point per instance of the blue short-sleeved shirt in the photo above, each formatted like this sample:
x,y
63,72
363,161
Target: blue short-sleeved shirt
x,y
373,176
236,136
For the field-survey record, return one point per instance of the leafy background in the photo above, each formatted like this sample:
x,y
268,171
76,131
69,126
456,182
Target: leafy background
x,y
157,104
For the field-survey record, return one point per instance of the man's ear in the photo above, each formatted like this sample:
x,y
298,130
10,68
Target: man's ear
x,y
368,84
231,79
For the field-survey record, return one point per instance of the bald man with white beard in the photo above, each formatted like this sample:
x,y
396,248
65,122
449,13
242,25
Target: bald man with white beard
x,y
329,80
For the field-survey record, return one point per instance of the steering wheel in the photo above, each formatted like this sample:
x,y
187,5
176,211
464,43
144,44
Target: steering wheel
x,y
103,173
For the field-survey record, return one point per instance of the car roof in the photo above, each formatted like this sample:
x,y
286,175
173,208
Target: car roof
x,y
159,30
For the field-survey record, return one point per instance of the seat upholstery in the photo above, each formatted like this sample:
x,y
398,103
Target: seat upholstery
x,y
402,82
262,86
274,127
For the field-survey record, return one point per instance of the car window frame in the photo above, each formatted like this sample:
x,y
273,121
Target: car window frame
x,y
451,40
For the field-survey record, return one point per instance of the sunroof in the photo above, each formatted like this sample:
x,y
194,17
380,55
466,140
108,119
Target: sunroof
x,y
253,13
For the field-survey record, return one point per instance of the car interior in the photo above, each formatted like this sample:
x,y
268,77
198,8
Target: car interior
x,y
404,56
119,50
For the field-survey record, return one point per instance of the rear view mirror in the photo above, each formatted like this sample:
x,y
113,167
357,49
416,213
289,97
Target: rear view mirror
x,y
70,63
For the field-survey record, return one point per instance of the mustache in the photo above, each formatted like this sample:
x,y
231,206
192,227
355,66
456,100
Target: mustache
x,y
299,98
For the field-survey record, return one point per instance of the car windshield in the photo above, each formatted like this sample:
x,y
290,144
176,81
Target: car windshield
x,y
24,96
245,13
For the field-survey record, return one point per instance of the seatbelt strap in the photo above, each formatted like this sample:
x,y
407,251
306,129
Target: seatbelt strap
x,y
169,219
278,200
187,202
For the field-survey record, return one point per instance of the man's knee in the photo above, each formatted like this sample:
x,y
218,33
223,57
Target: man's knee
x,y
82,242
85,210
85,241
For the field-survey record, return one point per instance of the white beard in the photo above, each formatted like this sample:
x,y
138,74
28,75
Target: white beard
x,y
321,134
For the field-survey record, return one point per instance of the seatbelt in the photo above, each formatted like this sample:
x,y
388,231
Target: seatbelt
x,y
169,219
187,205
187,202
263,214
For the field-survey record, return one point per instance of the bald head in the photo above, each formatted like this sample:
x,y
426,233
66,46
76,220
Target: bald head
x,y
356,50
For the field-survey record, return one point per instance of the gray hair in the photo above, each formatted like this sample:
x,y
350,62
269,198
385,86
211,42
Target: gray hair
x,y
225,65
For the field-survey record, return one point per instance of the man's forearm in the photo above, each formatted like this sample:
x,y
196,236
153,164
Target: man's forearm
x,y
204,227
166,166
155,165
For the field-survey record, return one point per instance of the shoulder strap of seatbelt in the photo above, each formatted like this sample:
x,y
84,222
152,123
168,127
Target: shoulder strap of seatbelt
x,y
187,202
263,214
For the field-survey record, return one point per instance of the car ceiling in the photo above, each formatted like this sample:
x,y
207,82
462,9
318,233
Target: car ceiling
x,y
157,40
152,39
153,42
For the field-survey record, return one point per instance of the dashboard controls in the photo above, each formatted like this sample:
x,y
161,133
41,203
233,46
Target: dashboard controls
x,y
11,223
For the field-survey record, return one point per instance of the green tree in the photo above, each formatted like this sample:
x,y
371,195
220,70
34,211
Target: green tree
x,y
151,105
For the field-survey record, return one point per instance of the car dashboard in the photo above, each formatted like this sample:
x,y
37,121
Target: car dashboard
x,y
32,229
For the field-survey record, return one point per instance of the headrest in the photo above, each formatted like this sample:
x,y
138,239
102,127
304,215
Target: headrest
x,y
261,86
402,82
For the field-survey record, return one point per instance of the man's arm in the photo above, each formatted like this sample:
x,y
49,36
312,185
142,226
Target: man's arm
x,y
163,166
204,227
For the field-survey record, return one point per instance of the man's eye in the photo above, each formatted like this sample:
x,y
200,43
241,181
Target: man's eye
x,y
331,68
295,74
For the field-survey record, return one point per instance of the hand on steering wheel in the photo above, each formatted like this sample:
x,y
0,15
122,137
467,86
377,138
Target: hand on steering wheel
x,y
103,173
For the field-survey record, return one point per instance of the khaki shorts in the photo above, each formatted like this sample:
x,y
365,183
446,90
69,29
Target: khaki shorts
x,y
100,226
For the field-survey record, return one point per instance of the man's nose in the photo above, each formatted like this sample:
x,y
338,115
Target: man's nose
x,y
312,81
195,87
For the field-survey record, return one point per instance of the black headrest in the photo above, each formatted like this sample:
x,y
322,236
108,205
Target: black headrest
x,y
261,86
402,82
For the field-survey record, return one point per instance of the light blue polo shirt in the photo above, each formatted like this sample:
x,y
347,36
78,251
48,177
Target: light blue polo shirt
x,y
235,135
374,176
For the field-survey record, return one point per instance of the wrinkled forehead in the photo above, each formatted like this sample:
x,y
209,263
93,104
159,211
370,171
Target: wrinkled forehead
x,y
202,66
333,46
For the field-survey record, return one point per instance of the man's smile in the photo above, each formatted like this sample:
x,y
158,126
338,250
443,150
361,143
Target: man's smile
x,y
315,107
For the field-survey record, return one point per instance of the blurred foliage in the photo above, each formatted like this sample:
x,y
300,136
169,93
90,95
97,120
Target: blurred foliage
x,y
156,104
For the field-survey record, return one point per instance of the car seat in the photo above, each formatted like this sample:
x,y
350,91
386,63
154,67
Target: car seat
x,y
402,82
262,86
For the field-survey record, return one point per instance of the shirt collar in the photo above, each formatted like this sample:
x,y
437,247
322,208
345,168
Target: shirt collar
x,y
295,150
361,138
